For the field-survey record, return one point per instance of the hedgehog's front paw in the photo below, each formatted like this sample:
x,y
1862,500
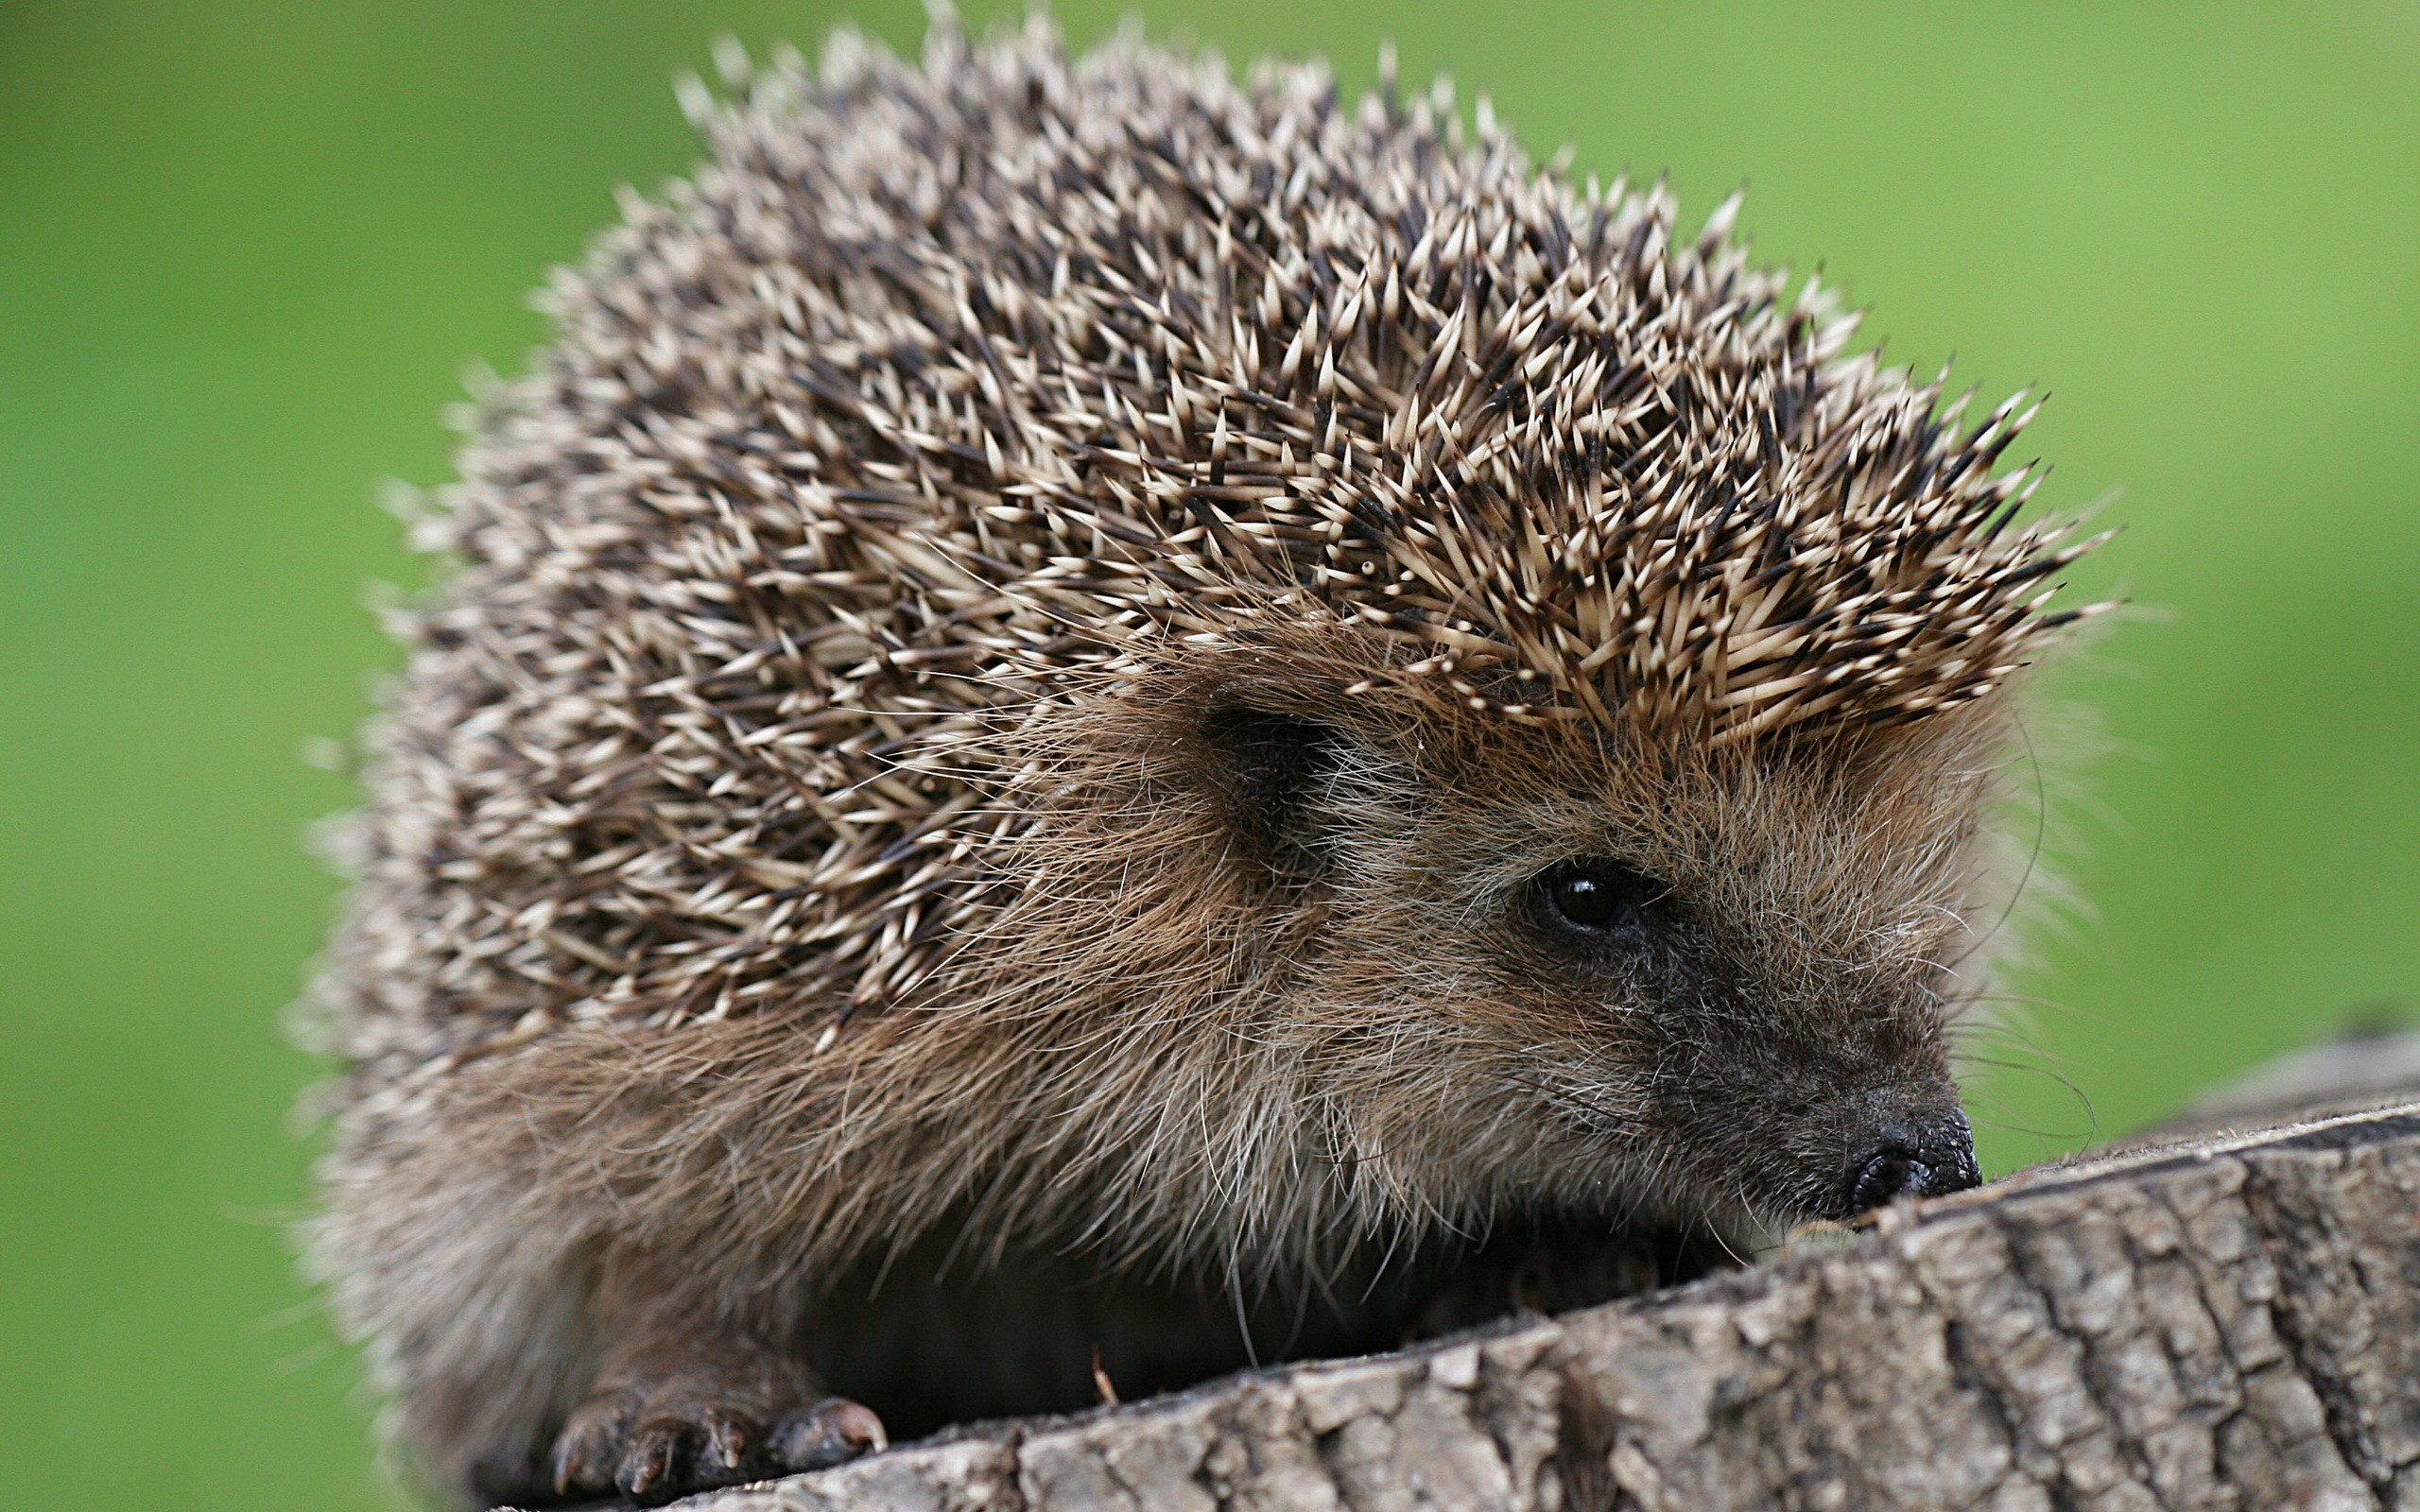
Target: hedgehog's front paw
x,y
654,1436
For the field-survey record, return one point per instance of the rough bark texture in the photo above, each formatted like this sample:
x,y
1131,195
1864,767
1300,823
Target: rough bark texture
x,y
2232,1323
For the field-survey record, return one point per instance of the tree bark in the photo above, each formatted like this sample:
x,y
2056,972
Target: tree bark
x,y
2232,1322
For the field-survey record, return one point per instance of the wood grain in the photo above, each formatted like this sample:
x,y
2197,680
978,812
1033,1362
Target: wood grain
x,y
2228,1323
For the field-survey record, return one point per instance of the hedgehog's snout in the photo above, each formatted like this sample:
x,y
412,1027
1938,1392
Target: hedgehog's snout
x,y
1924,1156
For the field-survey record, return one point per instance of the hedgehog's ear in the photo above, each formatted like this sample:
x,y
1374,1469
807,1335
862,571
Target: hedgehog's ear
x,y
1262,767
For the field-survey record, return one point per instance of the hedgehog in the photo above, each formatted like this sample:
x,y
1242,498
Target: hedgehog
x,y
1095,723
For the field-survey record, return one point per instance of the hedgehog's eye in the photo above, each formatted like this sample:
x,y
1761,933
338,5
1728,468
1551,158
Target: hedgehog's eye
x,y
1595,896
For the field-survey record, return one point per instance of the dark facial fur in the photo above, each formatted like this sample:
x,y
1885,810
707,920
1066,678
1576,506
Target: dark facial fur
x,y
1090,709
1361,898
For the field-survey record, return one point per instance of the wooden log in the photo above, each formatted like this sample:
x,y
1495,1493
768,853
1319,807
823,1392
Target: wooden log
x,y
2228,1323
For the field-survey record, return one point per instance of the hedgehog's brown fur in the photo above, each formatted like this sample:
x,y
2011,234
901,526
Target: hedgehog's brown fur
x,y
1011,671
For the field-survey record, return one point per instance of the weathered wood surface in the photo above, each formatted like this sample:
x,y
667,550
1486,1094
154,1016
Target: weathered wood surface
x,y
2231,1324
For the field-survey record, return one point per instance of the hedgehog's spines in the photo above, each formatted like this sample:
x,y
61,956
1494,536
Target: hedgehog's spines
x,y
1077,365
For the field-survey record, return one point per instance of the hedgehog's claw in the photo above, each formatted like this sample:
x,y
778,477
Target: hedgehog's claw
x,y
831,1431
652,1442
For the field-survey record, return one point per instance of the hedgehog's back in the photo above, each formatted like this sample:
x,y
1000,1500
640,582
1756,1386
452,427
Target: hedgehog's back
x,y
940,386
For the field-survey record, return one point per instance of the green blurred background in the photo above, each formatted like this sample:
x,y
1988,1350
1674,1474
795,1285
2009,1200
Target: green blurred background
x,y
247,249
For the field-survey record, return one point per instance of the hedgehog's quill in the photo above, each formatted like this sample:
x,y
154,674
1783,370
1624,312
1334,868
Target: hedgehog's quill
x,y
1096,722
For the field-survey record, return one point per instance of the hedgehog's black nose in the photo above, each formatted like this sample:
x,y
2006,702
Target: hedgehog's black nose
x,y
1927,1157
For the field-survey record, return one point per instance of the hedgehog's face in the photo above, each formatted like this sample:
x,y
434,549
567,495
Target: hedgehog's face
x,y
1545,970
